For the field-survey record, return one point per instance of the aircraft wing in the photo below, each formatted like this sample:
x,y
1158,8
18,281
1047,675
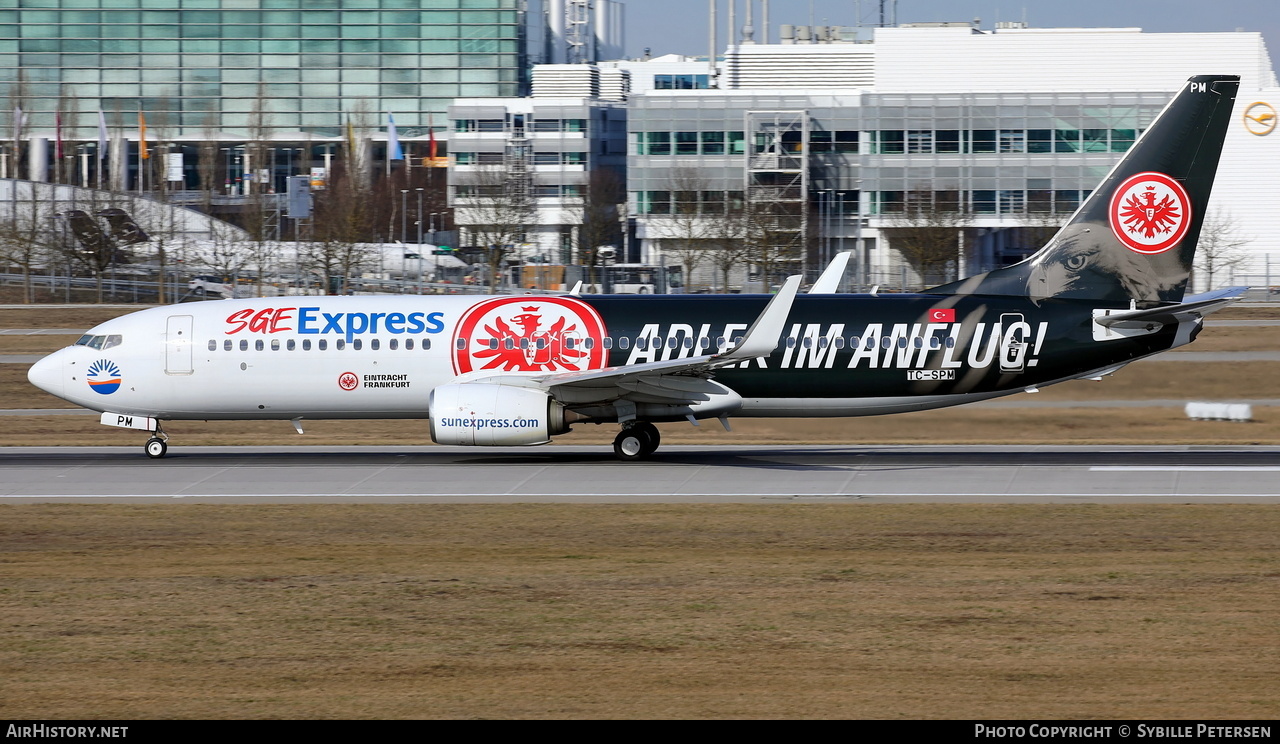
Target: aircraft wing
x,y
673,380
1192,308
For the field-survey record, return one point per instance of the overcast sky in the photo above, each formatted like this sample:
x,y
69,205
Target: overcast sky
x,y
680,26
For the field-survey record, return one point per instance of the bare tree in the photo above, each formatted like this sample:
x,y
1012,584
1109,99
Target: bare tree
x,y
28,240
1221,247
687,231
928,232
600,218
341,220
726,237
496,211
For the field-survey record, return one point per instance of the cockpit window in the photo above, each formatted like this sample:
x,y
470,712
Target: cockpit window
x,y
100,342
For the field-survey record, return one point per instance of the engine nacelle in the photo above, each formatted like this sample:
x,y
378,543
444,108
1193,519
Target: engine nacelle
x,y
490,415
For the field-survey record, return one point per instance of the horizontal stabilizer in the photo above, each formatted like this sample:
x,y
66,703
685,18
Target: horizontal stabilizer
x,y
1196,307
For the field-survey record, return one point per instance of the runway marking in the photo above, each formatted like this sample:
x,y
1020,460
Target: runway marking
x,y
1186,468
562,498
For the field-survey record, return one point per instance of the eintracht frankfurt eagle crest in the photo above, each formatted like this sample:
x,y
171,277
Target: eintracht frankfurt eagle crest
x,y
529,334
1150,212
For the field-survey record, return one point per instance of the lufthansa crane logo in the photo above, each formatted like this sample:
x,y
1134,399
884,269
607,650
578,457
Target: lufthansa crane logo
x,y
1260,118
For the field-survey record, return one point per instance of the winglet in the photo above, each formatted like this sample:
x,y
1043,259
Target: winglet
x,y
577,289
763,335
829,281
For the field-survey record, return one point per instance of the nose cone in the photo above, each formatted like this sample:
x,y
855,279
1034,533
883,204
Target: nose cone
x,y
46,374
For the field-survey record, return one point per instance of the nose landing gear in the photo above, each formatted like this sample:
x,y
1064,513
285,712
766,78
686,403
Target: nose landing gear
x,y
158,444
637,441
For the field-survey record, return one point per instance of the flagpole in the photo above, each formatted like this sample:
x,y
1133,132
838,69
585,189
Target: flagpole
x,y
102,144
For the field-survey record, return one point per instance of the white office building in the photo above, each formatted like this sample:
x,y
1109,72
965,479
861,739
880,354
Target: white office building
x,y
833,145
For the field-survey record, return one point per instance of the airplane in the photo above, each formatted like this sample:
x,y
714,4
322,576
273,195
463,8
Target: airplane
x,y
1107,289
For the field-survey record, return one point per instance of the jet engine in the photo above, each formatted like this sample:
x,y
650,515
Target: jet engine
x,y
489,415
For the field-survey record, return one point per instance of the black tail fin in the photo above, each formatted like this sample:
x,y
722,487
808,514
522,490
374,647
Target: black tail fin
x,y
1135,237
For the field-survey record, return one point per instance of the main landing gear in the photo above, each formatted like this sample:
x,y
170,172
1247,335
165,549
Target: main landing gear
x,y
636,441
158,444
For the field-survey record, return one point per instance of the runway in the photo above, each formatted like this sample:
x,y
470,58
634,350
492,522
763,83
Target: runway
x,y
590,475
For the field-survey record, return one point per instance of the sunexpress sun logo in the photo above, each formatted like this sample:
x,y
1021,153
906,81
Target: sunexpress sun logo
x,y
103,377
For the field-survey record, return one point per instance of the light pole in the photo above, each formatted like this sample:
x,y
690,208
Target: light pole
x,y
404,215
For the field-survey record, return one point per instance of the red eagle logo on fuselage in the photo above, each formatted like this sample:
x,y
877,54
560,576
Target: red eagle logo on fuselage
x,y
528,334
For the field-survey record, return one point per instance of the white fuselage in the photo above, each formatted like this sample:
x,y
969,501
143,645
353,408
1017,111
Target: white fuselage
x,y
314,357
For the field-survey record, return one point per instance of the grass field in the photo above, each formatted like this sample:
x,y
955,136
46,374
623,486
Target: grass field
x,y
522,611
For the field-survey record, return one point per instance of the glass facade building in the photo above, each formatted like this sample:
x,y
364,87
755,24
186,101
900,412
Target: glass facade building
x,y
236,67
870,157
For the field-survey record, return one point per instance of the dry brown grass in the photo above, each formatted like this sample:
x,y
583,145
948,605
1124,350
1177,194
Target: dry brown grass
x,y
532,611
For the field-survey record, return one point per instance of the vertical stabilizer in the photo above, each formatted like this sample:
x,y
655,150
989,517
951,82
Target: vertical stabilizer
x,y
1135,237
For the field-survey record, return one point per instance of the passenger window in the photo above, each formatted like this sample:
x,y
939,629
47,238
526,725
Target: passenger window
x,y
226,345
719,342
374,344
258,345
306,344
885,342
462,344
917,342
244,344
808,343
213,345
672,342
542,343
704,342
839,344
358,344
340,344
902,342
642,344
408,344
524,343
323,344
951,342
824,342
934,342
608,342
591,343
624,342
426,344
791,342
569,342
395,344
688,343
275,344
113,341
493,343
291,344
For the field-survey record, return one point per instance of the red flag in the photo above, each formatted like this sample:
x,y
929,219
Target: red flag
x,y
942,315
431,140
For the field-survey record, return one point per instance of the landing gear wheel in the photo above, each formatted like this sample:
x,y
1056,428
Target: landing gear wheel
x,y
631,444
636,442
156,447
651,432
